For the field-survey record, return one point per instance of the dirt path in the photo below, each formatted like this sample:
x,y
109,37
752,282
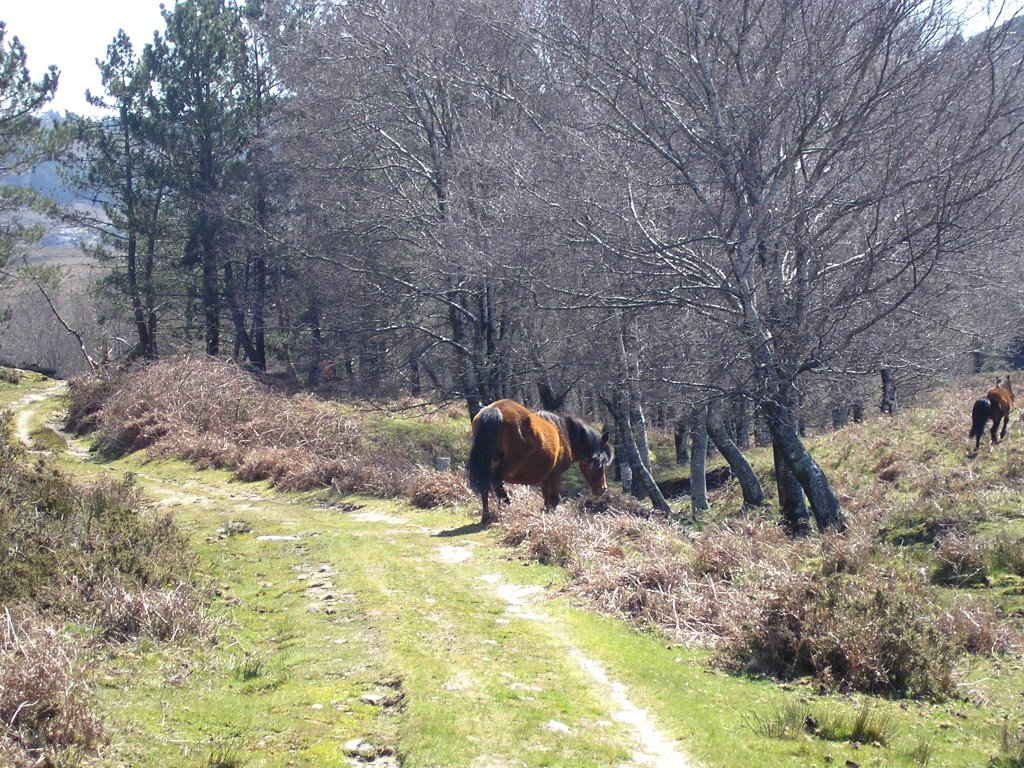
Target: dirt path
x,y
23,410
396,577
653,747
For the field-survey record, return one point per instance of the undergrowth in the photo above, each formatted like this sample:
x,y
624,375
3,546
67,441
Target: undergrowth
x,y
843,610
79,565
214,414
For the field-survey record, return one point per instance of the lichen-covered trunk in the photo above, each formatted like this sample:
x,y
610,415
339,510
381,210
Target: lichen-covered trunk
x,y
698,460
627,443
753,494
828,514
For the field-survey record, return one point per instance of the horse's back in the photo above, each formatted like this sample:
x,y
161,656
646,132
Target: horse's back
x,y
531,447
1000,398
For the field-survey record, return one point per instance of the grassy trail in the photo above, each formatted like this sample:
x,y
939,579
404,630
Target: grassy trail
x,y
362,628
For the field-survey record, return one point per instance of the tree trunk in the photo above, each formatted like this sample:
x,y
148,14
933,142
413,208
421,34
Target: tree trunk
x,y
739,413
888,392
795,517
858,411
549,399
828,514
681,434
627,442
210,288
698,459
753,494
237,315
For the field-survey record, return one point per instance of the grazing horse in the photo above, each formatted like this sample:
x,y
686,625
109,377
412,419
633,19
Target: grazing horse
x,y
512,444
995,405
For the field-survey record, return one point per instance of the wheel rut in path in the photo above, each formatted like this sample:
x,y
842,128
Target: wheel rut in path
x,y
654,747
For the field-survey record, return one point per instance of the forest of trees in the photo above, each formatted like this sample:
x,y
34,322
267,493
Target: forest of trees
x,y
735,219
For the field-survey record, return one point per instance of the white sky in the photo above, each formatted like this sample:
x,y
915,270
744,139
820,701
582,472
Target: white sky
x,y
73,33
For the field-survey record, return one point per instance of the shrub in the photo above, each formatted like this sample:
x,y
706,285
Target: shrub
x,y
62,540
1007,554
427,489
10,376
160,614
875,633
45,703
1011,747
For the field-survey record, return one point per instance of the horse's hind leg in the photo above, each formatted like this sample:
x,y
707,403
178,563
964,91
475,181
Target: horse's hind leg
x,y
485,518
498,486
499,492
551,489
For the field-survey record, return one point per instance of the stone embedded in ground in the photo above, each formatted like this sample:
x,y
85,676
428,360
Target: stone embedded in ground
x,y
367,751
373,699
277,538
554,725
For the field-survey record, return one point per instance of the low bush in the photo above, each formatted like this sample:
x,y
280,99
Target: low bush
x,y
45,703
427,489
89,553
216,415
63,541
788,608
10,376
877,632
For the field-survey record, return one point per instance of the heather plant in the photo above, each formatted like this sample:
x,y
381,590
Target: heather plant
x,y
45,703
961,561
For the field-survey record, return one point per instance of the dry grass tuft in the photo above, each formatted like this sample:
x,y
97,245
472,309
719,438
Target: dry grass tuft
x,y
161,614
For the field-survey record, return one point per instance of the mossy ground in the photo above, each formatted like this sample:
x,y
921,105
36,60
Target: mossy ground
x,y
467,682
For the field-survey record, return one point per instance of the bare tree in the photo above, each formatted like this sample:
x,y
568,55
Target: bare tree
x,y
798,170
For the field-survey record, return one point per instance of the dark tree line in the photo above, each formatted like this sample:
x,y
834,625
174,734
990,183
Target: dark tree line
x,y
731,219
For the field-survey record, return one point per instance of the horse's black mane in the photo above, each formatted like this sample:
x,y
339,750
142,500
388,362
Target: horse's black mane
x,y
584,441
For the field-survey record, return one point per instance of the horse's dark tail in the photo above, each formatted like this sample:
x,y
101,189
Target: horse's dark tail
x,y
979,415
481,454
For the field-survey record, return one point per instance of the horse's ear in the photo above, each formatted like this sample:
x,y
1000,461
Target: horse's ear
x,y
605,437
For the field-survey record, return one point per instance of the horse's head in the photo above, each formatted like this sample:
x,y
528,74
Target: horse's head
x,y
592,468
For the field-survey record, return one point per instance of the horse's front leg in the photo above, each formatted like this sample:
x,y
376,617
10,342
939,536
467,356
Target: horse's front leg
x,y
1006,422
995,428
551,489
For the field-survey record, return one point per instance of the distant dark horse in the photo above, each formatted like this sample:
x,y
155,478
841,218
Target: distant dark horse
x,y
995,405
514,445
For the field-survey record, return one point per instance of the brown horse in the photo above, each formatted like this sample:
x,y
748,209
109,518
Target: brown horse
x,y
512,444
995,405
